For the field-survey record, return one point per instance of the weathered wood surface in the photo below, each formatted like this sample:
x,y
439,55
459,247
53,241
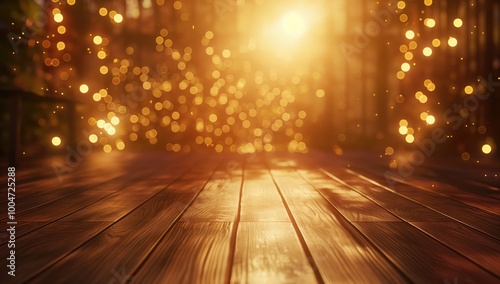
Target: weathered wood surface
x,y
273,218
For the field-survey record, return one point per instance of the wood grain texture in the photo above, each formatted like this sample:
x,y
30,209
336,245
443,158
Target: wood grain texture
x,y
61,208
269,252
480,248
260,200
340,254
119,203
22,228
125,245
421,258
400,206
218,201
464,193
481,220
351,204
192,252
113,220
36,252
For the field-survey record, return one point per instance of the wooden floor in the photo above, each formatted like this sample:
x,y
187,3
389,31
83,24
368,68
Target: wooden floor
x,y
275,218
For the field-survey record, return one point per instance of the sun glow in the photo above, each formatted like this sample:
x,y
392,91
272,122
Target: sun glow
x,y
293,24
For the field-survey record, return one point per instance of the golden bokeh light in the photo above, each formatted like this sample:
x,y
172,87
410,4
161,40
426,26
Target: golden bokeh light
x,y
410,138
61,29
97,40
452,42
93,138
458,22
429,22
56,141
118,18
427,51
486,148
58,18
430,119
263,90
84,88
468,90
405,67
410,34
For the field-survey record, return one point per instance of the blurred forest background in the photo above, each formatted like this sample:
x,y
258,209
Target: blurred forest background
x,y
252,75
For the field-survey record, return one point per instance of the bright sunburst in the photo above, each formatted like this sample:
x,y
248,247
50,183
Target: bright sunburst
x,y
293,24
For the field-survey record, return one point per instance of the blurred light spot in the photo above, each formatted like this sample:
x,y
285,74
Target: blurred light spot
x,y
430,23
107,148
101,54
103,70
410,34
118,18
430,119
427,51
61,30
58,18
293,24
410,138
84,88
486,149
120,145
423,116
56,141
103,11
61,45
400,75
452,42
465,156
389,151
115,120
226,53
93,138
97,39
468,90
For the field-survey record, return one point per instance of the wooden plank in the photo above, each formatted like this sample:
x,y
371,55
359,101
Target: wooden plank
x,y
260,200
481,220
269,252
483,177
479,248
462,191
400,206
219,200
459,194
22,228
350,203
62,208
339,252
421,258
120,203
50,205
128,242
192,252
51,243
